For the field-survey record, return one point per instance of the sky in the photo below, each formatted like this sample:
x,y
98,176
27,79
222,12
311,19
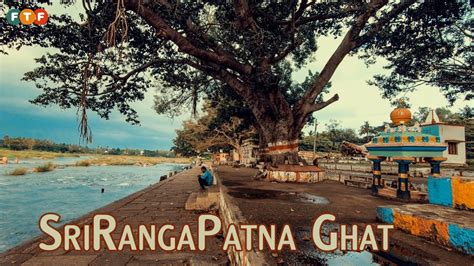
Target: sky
x,y
358,102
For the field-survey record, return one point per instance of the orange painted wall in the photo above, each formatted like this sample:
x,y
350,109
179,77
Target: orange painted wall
x,y
431,229
463,192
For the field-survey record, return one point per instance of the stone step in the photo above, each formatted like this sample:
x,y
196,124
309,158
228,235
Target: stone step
x,y
204,200
444,225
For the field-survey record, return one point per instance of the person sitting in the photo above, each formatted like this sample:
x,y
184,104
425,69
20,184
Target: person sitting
x,y
205,179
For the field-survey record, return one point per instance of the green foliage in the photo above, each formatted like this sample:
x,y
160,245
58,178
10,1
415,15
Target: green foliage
x,y
158,153
188,50
443,113
438,52
323,143
21,144
330,139
337,135
183,147
367,131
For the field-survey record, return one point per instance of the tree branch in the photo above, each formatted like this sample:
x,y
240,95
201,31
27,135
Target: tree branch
x,y
305,20
346,45
321,105
184,45
381,22
244,16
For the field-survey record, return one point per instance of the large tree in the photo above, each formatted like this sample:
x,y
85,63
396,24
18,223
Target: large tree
x,y
188,48
212,131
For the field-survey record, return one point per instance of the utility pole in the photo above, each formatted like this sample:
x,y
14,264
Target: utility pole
x,y
315,135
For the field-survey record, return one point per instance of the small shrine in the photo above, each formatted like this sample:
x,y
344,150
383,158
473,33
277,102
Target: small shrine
x,y
404,145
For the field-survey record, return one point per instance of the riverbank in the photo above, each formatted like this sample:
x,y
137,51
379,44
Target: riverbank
x,y
161,203
12,154
244,200
70,191
299,204
104,160
92,159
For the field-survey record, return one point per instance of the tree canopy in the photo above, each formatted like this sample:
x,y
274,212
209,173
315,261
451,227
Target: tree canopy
x,y
190,49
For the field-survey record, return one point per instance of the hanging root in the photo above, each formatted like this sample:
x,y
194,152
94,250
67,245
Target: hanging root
x,y
195,100
120,24
84,130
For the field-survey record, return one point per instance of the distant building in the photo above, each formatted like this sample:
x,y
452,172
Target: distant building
x,y
221,157
249,150
453,135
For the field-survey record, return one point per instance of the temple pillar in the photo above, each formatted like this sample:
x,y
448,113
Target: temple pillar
x,y
403,191
435,163
376,171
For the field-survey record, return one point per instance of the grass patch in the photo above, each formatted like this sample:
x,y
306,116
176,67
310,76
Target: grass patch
x,y
11,154
47,167
133,160
18,171
83,163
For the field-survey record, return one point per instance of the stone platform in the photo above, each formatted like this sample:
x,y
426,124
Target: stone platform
x,y
446,226
204,200
162,203
286,203
295,173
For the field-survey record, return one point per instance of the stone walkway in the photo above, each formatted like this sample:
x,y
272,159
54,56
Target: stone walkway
x,y
162,203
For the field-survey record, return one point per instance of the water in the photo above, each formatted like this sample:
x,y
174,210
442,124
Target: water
x,y
305,197
309,255
70,192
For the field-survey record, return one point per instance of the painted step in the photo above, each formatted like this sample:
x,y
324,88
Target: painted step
x,y
203,200
456,192
444,225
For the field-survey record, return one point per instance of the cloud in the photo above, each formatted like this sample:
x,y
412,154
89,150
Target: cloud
x,y
359,102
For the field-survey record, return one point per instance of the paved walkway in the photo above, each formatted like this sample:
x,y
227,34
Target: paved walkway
x,y
158,204
298,204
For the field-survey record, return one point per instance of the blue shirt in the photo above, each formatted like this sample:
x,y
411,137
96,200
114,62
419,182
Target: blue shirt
x,y
207,176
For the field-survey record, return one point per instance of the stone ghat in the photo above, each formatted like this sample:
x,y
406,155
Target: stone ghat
x,y
445,226
161,203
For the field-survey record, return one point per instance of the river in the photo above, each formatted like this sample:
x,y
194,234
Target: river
x,y
69,191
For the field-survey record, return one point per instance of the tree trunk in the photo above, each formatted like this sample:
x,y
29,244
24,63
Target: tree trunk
x,y
278,129
282,143
238,148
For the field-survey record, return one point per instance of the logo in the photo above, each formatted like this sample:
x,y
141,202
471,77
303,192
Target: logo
x,y
27,16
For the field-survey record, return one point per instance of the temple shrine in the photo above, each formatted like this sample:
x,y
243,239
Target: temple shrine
x,y
404,145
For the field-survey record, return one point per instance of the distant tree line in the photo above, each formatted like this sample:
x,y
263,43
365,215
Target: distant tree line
x,y
207,133
331,139
20,144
